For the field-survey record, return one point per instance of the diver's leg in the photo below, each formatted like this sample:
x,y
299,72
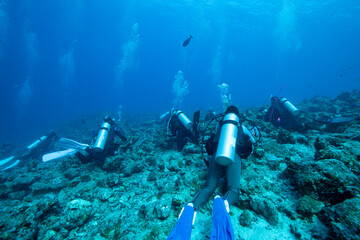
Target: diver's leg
x,y
83,158
180,140
212,179
233,174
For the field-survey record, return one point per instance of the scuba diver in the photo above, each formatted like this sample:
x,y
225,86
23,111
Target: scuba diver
x,y
230,143
183,128
105,143
34,150
282,113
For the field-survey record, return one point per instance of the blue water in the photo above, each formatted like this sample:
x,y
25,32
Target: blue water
x,y
61,59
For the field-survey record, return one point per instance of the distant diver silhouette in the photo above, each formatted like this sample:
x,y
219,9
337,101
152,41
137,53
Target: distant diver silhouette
x,y
187,41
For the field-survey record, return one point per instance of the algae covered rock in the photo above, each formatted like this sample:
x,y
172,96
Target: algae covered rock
x,y
162,211
113,180
152,176
132,167
76,213
23,181
4,191
265,208
103,194
113,225
343,219
327,180
308,206
327,153
246,218
284,137
159,209
174,165
53,184
320,144
303,140
330,148
50,234
336,142
258,152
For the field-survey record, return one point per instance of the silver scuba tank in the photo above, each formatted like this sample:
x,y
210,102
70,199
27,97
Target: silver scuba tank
x,y
36,143
164,115
289,106
225,153
102,137
188,124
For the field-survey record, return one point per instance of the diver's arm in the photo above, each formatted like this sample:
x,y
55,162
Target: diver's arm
x,y
119,132
247,132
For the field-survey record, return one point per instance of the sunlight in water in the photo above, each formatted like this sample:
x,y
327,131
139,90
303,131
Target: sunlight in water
x,y
3,27
180,88
128,54
24,96
31,51
286,32
67,66
216,67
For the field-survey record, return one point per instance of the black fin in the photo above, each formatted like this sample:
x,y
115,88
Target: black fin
x,y
180,140
196,117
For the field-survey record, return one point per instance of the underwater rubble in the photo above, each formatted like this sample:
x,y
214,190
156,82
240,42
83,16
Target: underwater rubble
x,y
293,186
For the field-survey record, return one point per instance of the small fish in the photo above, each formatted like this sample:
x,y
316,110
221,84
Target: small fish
x,y
83,121
187,41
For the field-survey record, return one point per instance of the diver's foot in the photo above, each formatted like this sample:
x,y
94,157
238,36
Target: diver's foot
x,y
222,227
190,205
182,229
226,203
83,159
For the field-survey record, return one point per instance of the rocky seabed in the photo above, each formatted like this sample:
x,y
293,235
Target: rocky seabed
x,y
293,186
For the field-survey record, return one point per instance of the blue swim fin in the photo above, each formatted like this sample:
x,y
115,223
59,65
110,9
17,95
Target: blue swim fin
x,y
222,228
8,163
182,229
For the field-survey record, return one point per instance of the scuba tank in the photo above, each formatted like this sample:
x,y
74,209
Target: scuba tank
x,y
36,143
164,115
225,153
185,121
289,106
102,136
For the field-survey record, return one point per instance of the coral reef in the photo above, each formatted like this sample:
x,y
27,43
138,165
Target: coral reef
x,y
294,186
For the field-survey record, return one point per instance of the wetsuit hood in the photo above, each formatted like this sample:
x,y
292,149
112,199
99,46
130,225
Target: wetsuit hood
x,y
232,109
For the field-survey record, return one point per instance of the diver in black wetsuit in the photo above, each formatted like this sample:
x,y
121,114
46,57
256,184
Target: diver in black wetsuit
x,y
283,113
183,128
104,144
243,148
34,150
40,146
230,143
